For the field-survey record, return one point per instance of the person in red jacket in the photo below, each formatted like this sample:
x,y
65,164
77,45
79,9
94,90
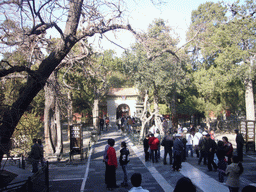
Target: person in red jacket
x,y
228,149
153,144
112,165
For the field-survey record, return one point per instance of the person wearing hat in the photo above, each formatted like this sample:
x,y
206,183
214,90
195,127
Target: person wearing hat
x,y
210,149
177,152
239,144
201,146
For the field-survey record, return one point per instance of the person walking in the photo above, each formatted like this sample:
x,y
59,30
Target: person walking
x,y
239,144
112,166
184,141
39,141
196,140
222,165
105,160
202,152
107,123
129,123
101,124
234,170
146,147
177,152
210,149
158,136
189,144
124,160
167,143
228,148
35,155
153,144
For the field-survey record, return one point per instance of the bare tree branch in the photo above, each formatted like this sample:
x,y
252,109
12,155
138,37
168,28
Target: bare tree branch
x,y
5,72
188,41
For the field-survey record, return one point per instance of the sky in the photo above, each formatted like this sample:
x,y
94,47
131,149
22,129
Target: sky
x,y
142,12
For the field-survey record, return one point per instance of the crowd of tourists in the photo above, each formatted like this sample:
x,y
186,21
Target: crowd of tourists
x,y
184,142
126,124
179,146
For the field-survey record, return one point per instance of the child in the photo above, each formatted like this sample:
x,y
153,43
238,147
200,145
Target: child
x,y
222,165
124,159
234,170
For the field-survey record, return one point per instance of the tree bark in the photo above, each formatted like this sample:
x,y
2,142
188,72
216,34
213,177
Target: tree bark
x,y
59,144
174,110
143,118
249,100
48,122
249,97
158,121
53,128
95,114
70,112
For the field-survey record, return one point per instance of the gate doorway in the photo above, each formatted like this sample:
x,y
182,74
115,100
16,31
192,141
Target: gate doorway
x,y
122,110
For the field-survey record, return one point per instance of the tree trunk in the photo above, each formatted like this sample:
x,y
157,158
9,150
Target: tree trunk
x,y
48,122
59,144
70,112
53,132
249,100
174,110
158,121
249,97
143,117
95,114
36,82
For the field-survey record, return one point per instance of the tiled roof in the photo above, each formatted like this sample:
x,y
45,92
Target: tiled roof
x,y
123,92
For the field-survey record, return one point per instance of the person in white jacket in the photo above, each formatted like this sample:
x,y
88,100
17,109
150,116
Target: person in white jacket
x,y
196,140
189,144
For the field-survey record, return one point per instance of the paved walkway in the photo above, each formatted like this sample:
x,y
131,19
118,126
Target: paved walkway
x,y
155,177
96,176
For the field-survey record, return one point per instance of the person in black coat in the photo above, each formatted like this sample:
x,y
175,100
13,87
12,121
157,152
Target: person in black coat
x,y
210,149
177,152
167,142
101,124
222,165
240,144
124,160
146,147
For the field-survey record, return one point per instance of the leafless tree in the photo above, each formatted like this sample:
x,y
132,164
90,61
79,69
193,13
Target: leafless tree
x,y
26,26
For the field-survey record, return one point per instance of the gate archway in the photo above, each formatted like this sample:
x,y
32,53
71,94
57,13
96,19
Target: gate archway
x,y
122,111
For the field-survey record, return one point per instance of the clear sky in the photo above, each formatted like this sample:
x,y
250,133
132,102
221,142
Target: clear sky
x,y
142,12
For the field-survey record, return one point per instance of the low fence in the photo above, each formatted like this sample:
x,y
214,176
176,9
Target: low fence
x,y
39,182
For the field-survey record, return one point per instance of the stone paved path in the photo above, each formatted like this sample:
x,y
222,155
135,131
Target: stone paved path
x,y
96,178
156,177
